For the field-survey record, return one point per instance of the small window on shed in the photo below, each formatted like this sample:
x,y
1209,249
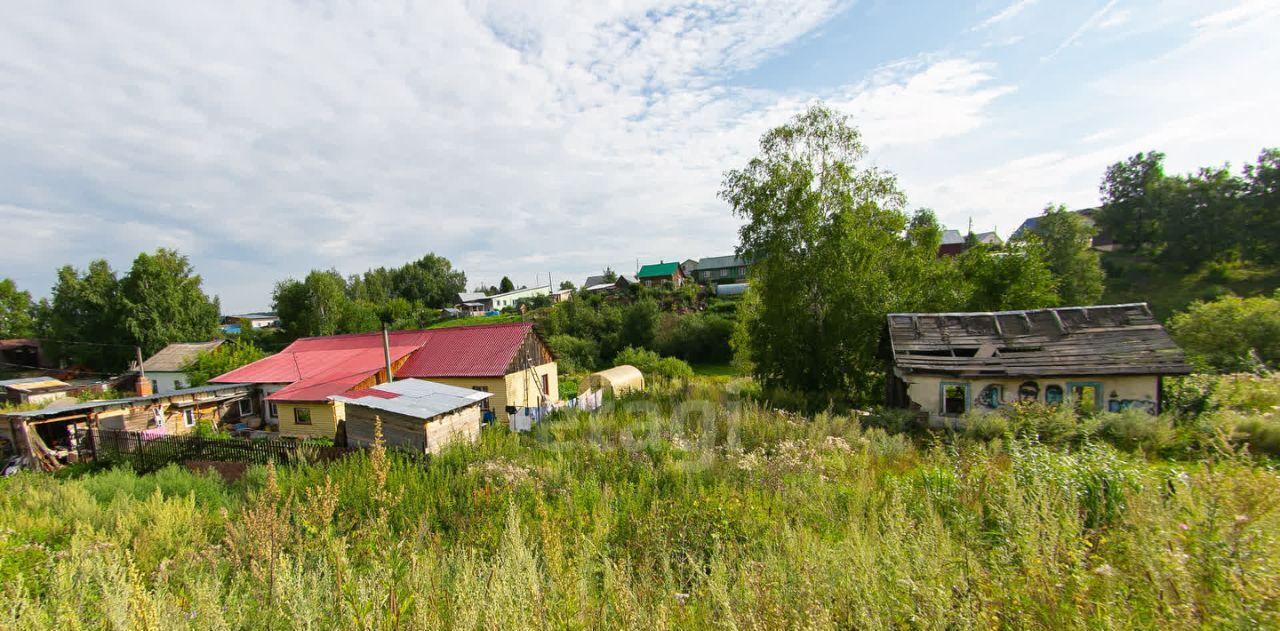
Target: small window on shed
x,y
301,416
245,407
955,399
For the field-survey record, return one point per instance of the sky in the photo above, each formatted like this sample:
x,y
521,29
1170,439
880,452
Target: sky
x,y
543,138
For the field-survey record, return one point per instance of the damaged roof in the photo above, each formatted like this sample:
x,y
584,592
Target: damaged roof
x,y
175,357
414,397
1096,340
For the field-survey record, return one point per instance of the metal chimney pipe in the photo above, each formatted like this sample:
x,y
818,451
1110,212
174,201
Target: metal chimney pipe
x,y
386,352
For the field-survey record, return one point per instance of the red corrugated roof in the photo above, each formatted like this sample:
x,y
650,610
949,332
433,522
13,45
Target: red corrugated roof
x,y
467,351
318,367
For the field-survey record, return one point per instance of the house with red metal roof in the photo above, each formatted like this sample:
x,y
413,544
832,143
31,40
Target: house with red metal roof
x,y
508,360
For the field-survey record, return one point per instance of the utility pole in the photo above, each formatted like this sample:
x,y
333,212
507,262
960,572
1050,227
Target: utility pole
x,y
137,351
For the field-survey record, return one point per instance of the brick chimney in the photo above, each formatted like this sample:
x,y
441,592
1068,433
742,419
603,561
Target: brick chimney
x,y
143,386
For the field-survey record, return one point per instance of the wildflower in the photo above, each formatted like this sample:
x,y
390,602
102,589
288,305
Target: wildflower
x,y
682,598
1104,570
1184,527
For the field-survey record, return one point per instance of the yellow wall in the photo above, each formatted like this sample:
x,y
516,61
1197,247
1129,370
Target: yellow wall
x,y
517,389
324,419
926,390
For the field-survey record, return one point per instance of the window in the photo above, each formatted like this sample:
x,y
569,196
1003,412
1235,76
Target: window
x,y
955,398
177,384
484,405
546,385
189,417
273,410
157,417
1053,394
246,407
301,416
1086,395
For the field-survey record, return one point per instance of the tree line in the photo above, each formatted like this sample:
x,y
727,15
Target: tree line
x,y
1211,215
95,317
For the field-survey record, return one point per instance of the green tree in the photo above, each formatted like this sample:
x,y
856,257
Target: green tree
x,y
16,311
162,302
1132,201
826,234
1016,278
1262,185
430,280
314,306
1231,334
1065,238
1204,218
226,357
505,285
84,321
640,323
567,284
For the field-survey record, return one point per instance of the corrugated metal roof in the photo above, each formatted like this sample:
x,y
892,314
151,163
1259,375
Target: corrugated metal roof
x,y
13,382
467,351
658,269
316,368
720,262
414,397
174,357
952,237
112,403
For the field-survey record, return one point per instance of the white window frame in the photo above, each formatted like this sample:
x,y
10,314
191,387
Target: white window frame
x,y
242,404
189,417
273,411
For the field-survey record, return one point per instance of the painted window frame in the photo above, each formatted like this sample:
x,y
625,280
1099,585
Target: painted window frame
x,y
942,397
189,417
273,411
999,394
298,413
240,406
1098,399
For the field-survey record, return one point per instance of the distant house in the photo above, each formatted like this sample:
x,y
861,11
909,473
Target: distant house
x,y
988,238
509,360
166,369
1108,357
471,296
35,390
498,302
719,269
657,274
599,284
561,295
1102,241
257,320
952,243
420,415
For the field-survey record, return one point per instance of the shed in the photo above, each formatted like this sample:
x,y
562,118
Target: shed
x,y
1105,357
417,414
619,379
167,368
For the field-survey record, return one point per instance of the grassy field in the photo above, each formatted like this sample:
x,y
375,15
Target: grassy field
x,y
687,508
714,370
501,318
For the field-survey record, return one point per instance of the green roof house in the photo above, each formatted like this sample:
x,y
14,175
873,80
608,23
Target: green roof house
x,y
656,274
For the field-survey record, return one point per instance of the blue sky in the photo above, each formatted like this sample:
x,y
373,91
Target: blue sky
x,y
546,137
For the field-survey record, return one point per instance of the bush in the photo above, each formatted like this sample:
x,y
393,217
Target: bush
x,y
699,338
574,354
1134,429
1231,334
652,364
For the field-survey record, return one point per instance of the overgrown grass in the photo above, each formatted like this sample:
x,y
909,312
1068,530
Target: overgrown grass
x,y
688,507
501,318
714,370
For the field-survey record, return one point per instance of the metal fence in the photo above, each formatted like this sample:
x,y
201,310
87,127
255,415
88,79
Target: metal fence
x,y
149,452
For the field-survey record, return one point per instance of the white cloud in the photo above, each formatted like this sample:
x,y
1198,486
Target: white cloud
x,y
1005,14
1101,18
517,139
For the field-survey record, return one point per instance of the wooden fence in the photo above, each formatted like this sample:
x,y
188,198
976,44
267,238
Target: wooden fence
x,y
149,452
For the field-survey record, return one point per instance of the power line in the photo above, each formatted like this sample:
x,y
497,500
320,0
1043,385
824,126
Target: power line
x,y
51,340
80,372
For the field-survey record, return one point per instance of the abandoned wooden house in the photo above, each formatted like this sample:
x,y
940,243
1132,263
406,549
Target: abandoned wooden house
x,y
418,415
1107,357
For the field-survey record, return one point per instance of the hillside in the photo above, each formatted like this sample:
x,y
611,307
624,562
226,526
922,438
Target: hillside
x,y
1168,289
